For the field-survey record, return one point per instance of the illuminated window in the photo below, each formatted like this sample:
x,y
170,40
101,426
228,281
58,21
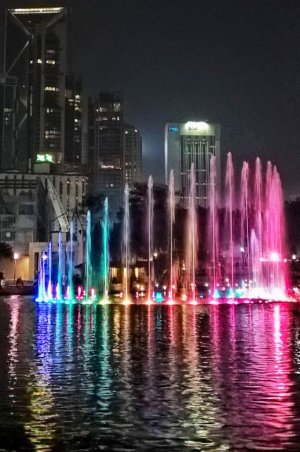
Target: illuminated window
x,y
51,88
46,10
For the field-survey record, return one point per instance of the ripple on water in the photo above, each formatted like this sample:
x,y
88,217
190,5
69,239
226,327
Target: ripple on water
x,y
211,378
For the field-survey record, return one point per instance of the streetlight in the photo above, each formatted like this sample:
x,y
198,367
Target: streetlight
x,y
16,257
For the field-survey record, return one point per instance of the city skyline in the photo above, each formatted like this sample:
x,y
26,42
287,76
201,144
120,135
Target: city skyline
x,y
235,64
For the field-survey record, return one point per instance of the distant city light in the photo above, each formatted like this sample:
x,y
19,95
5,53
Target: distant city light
x,y
192,125
173,129
41,158
52,10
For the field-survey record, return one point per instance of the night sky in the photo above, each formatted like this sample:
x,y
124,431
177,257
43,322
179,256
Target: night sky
x,y
236,62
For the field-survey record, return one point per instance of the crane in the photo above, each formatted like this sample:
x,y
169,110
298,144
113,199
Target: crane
x,y
60,213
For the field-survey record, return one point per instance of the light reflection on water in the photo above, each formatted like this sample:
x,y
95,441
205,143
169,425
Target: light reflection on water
x,y
151,377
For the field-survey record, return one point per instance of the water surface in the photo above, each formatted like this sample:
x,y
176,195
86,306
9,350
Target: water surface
x,y
132,378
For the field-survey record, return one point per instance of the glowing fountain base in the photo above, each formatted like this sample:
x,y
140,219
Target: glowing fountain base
x,y
104,301
193,302
238,296
127,302
171,302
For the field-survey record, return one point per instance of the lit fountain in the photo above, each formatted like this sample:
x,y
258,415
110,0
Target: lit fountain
x,y
89,296
171,204
105,253
126,243
229,205
213,228
275,274
245,236
150,207
252,233
59,291
261,234
42,294
49,285
192,239
256,235
70,261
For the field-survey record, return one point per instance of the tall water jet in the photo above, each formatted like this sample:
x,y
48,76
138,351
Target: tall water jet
x,y
213,227
255,264
49,287
59,285
245,230
42,295
171,203
70,256
126,243
88,250
230,205
267,248
257,244
105,250
150,208
192,237
275,229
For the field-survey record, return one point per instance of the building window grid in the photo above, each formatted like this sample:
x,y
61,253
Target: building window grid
x,y
198,150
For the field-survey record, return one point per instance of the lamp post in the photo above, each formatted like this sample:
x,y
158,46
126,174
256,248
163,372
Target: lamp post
x,y
16,257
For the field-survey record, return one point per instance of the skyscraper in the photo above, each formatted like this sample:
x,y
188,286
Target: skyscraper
x,y
132,155
187,143
33,87
106,147
73,121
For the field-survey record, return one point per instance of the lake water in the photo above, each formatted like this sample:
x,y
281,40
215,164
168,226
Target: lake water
x,y
134,378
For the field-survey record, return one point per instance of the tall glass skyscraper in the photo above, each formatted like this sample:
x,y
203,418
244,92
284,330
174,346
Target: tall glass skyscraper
x,y
132,155
106,155
33,87
187,143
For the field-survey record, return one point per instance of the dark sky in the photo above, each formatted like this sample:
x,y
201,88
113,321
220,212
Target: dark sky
x,y
236,62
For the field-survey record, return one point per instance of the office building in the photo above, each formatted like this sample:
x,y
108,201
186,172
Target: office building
x,y
24,219
30,217
132,155
106,147
33,87
73,121
187,143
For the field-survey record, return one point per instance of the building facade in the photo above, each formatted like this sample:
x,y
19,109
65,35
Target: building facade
x,y
29,218
23,213
33,87
132,155
105,142
187,143
73,121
